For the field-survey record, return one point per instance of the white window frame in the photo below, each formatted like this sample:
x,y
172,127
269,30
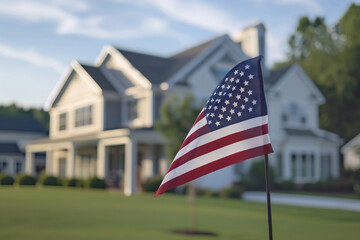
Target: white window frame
x,y
84,116
62,121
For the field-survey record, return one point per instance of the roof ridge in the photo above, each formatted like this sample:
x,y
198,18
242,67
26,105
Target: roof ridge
x,y
200,46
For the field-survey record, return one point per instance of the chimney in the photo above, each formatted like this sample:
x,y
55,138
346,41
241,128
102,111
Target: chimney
x,y
252,42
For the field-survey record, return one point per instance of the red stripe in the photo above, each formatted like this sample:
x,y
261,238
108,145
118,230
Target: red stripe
x,y
201,115
213,166
219,143
201,131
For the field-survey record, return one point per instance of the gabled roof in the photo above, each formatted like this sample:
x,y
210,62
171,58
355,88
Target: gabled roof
x,y
20,124
193,51
156,69
10,148
355,142
96,74
159,69
275,76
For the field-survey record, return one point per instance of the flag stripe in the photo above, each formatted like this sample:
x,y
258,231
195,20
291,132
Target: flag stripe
x,y
199,132
213,166
219,143
212,136
199,122
217,154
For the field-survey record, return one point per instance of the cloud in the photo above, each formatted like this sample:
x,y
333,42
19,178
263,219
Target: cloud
x,y
68,23
312,5
31,57
196,13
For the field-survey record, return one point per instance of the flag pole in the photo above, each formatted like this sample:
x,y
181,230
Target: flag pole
x,y
268,196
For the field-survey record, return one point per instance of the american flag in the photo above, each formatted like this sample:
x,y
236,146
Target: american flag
x,y
232,127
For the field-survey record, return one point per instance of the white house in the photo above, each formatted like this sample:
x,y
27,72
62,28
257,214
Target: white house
x,y
15,132
102,116
351,151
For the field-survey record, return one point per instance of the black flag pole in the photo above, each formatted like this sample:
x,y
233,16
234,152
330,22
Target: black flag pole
x,y
268,196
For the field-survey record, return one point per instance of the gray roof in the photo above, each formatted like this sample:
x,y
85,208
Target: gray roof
x,y
300,132
158,69
10,148
318,133
96,74
20,124
275,76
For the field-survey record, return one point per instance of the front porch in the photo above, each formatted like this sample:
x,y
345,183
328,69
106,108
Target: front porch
x,y
124,161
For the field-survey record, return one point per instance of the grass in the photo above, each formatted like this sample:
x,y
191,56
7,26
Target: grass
x,y
66,214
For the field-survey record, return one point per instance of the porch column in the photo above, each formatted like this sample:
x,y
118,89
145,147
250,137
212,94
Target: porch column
x,y
70,161
49,164
130,167
30,162
101,164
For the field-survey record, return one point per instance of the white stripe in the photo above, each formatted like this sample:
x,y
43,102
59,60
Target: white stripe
x,y
222,132
198,125
217,154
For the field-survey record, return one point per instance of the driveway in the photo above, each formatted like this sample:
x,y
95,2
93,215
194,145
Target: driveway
x,y
304,201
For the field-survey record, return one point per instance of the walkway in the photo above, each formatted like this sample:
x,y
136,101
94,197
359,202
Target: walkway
x,y
304,201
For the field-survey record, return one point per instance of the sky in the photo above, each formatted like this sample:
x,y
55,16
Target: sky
x,y
40,38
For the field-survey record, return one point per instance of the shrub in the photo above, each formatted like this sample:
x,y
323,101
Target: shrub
x,y
206,193
357,188
311,187
288,185
25,180
73,182
152,184
232,192
96,183
6,179
256,178
51,181
330,186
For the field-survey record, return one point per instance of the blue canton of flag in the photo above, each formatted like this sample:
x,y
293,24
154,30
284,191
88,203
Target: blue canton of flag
x,y
238,97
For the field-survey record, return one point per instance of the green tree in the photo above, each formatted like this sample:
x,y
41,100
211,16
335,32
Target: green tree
x,y
330,56
33,113
176,118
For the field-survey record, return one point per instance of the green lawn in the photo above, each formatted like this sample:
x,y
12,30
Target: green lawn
x,y
59,213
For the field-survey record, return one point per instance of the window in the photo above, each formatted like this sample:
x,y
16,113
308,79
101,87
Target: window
x,y
312,160
83,116
62,121
3,165
132,109
62,167
293,165
87,166
303,119
18,166
329,166
303,165
294,109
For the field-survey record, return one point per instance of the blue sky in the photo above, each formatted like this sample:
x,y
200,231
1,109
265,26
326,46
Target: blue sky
x,y
39,38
